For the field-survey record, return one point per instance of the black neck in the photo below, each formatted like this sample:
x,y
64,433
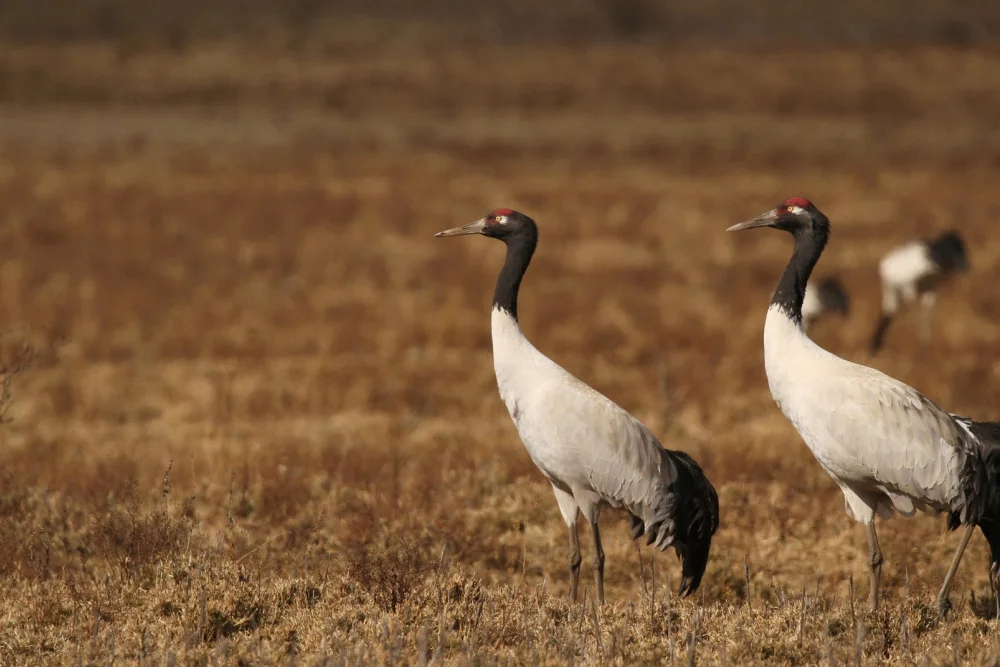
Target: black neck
x,y
519,251
809,244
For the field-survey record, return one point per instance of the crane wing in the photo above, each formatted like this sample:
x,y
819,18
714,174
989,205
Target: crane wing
x,y
619,458
886,434
597,449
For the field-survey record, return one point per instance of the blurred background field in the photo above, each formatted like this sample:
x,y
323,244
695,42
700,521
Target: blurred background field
x,y
261,424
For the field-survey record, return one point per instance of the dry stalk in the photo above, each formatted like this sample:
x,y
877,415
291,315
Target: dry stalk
x,y
746,576
652,594
670,625
524,560
850,589
859,642
642,570
693,643
597,628
802,617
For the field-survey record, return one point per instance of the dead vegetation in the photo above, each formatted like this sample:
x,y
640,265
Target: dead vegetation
x,y
273,434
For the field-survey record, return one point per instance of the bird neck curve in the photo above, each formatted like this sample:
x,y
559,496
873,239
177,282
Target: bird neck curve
x,y
520,248
809,244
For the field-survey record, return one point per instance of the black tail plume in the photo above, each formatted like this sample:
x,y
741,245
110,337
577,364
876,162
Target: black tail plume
x,y
695,522
991,530
981,487
636,526
948,252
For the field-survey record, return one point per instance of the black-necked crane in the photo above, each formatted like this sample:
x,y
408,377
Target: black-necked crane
x,y
888,448
594,453
915,271
825,296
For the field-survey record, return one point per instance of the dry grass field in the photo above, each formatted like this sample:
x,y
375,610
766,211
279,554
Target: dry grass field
x,y
261,424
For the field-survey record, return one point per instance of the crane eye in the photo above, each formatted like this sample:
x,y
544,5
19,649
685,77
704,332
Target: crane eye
x,y
501,219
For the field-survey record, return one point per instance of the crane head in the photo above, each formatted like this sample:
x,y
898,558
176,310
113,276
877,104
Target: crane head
x,y
501,223
794,215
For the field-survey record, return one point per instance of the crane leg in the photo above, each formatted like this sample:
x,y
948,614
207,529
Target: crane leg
x,y
875,565
942,599
927,301
570,510
878,335
574,562
598,560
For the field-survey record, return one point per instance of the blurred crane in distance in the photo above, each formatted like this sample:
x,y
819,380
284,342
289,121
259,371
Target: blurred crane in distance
x,y
824,296
593,452
888,447
916,270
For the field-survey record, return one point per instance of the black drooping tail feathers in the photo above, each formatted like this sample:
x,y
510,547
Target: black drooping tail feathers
x,y
695,520
981,487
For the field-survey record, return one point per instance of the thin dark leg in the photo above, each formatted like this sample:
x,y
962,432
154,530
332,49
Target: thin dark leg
x,y
927,300
599,561
875,563
574,562
878,337
942,599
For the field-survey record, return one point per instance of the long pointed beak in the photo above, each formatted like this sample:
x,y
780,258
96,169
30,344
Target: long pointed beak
x,y
766,220
471,228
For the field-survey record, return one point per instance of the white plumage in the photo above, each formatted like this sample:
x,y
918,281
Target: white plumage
x,y
594,453
889,449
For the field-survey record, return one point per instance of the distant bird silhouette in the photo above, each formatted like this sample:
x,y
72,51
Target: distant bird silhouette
x,y
888,447
916,270
826,296
593,452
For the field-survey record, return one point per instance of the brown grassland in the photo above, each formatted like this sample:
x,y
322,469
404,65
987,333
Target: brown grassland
x,y
261,424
